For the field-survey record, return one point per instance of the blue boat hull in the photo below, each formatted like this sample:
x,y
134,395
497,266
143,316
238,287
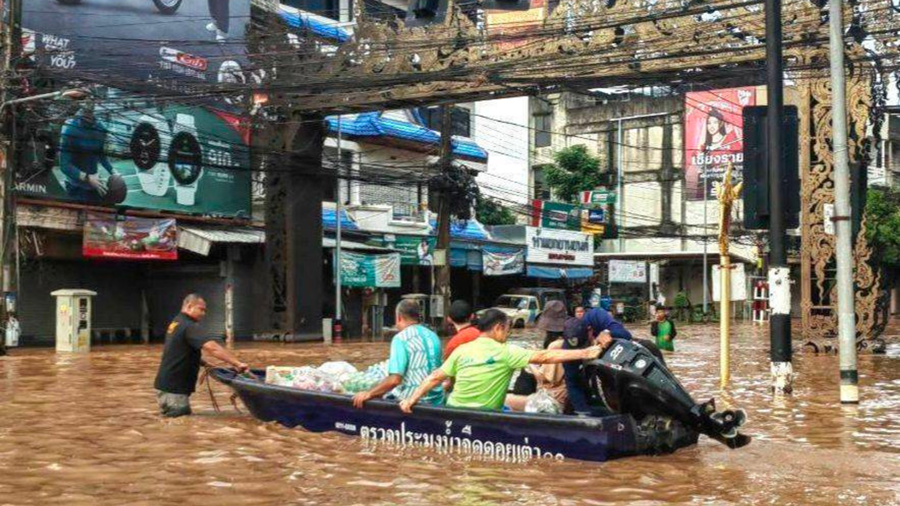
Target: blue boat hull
x,y
502,436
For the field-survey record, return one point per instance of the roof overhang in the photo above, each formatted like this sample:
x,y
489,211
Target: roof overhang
x,y
667,255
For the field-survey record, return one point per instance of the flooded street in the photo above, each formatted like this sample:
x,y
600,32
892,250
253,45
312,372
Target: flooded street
x,y
84,430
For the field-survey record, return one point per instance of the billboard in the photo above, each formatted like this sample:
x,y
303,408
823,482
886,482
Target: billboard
x,y
713,137
171,157
184,45
124,237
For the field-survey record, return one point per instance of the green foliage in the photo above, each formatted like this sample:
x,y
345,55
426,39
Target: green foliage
x,y
574,170
490,212
883,225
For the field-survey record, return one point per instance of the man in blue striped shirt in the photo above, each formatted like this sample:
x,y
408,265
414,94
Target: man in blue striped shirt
x,y
415,353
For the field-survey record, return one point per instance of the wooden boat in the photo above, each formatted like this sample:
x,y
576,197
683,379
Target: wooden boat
x,y
505,436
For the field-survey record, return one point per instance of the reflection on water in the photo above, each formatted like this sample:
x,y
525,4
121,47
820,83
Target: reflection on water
x,y
84,430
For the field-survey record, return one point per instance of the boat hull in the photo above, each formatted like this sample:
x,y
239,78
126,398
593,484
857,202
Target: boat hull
x,y
494,435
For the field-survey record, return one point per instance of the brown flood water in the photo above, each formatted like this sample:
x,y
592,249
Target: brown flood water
x,y
83,430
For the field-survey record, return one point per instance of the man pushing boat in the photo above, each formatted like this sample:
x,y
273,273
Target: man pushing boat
x,y
181,358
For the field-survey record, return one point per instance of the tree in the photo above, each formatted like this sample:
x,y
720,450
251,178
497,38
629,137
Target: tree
x,y
883,226
574,170
490,212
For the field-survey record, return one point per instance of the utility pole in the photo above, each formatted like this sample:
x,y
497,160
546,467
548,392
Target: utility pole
x,y
779,272
7,153
726,194
338,328
705,246
442,253
842,211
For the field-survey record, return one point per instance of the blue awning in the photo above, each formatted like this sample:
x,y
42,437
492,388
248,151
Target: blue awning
x,y
470,230
547,272
373,124
320,26
329,222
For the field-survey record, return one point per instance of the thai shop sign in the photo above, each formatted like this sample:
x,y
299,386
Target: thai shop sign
x,y
125,237
373,271
562,247
503,264
414,250
627,271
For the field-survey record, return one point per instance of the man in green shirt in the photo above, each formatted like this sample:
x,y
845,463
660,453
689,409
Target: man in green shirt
x,y
482,368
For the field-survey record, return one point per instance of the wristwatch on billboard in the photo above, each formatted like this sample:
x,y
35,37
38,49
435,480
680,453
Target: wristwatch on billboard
x,y
149,142
185,160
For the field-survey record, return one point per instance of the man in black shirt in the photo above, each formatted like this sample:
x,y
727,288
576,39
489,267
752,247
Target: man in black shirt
x,y
181,359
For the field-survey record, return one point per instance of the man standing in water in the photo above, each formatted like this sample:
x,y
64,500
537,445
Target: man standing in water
x,y
181,358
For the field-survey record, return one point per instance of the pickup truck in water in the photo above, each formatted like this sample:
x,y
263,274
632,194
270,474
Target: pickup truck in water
x,y
522,310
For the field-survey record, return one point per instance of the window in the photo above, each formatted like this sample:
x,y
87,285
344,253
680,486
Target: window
x,y
541,191
460,118
543,124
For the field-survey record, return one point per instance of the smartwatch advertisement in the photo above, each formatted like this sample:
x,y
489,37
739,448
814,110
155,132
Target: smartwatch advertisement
x,y
171,157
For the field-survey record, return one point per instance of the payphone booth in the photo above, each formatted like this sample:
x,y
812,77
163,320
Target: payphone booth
x,y
73,320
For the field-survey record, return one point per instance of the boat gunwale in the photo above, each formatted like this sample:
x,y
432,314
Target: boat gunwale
x,y
238,383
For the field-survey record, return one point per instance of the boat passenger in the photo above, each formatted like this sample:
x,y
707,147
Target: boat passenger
x,y
415,353
461,318
579,312
483,368
181,358
551,321
549,378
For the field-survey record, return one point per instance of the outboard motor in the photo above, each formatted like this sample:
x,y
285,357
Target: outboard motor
x,y
635,382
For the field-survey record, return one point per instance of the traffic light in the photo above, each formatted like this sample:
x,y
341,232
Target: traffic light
x,y
756,169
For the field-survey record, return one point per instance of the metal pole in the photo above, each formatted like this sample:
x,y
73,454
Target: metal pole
x,y
725,321
842,211
705,247
779,272
337,238
620,175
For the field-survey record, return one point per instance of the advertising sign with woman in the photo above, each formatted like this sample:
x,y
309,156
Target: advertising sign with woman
x,y
713,136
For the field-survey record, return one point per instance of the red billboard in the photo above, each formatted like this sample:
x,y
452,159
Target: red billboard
x,y
125,237
713,137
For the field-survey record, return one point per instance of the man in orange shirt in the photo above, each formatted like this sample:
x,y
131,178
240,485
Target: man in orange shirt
x,y
461,317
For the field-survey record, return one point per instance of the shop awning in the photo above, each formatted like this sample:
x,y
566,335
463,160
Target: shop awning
x,y
551,272
200,240
668,255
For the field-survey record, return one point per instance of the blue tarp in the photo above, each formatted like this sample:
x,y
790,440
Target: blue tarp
x,y
329,222
547,272
320,26
372,124
470,230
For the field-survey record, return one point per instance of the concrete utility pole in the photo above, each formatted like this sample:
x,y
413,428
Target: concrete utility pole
x,y
7,150
442,252
779,272
842,211
337,325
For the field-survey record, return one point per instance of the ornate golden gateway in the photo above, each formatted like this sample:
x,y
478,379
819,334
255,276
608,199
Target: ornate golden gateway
x,y
595,43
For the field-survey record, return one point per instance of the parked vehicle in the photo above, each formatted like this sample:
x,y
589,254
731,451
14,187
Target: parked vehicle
x,y
522,310
164,6
544,295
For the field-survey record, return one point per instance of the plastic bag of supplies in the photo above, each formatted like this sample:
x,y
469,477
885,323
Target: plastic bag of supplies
x,y
542,402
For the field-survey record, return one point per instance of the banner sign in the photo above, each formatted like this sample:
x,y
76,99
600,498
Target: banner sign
x,y
374,271
181,45
593,197
627,271
414,250
562,247
109,236
738,282
713,137
562,216
172,157
515,28
502,264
